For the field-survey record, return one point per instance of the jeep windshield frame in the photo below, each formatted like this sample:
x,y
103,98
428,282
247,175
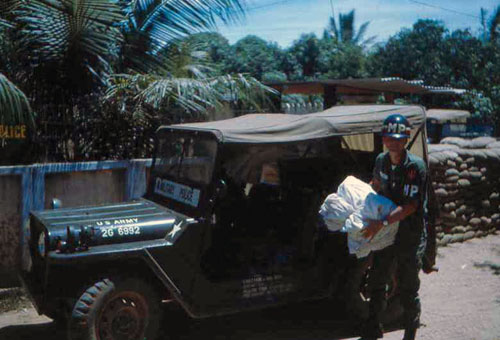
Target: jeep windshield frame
x,y
183,169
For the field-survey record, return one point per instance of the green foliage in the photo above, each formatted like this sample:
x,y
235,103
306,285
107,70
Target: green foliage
x,y
79,35
274,76
290,66
414,54
189,94
347,61
96,64
103,130
71,52
459,59
255,56
154,24
302,99
216,47
464,55
14,106
307,52
477,104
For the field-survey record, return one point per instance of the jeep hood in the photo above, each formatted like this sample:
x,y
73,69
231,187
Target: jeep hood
x,y
77,229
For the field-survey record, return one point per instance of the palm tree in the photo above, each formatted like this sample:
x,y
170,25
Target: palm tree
x,y
491,27
345,32
73,51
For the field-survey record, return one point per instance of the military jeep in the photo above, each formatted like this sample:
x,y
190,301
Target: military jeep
x,y
229,223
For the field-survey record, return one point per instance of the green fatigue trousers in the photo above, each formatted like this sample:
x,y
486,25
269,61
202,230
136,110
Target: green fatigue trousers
x,y
409,263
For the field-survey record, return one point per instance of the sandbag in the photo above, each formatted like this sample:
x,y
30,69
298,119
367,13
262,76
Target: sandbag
x,y
441,147
481,142
494,145
460,142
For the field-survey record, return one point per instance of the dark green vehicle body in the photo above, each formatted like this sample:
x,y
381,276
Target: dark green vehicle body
x,y
211,234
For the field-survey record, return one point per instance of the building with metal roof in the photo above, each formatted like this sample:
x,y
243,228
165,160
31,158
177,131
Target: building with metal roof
x,y
363,90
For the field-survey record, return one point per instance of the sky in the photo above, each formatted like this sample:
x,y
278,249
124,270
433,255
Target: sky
x,y
283,21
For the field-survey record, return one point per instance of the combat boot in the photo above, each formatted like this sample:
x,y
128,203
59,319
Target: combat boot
x,y
372,331
410,333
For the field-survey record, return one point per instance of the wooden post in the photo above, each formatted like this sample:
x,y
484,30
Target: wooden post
x,y
329,96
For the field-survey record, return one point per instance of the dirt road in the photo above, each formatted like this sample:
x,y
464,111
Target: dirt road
x,y
461,302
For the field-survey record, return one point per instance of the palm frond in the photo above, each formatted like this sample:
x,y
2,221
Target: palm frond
x,y
14,105
494,25
358,38
332,27
192,95
55,29
346,26
186,59
165,20
7,7
6,23
484,27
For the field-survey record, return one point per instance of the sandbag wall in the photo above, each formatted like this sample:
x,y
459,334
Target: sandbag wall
x,y
466,180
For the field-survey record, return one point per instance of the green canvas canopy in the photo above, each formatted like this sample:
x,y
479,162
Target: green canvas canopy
x,y
281,128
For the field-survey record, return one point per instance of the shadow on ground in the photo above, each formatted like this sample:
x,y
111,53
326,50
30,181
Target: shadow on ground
x,y
44,331
316,320
495,267
312,320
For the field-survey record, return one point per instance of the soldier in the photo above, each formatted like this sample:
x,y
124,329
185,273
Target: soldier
x,y
400,176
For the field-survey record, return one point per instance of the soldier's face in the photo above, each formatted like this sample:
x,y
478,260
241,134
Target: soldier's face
x,y
393,144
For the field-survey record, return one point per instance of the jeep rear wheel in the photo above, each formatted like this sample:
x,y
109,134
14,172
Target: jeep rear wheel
x,y
119,310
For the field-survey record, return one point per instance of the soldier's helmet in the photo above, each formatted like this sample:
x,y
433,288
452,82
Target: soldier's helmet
x,y
396,126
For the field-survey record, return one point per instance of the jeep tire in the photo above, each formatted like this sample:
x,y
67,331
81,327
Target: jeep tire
x,y
116,310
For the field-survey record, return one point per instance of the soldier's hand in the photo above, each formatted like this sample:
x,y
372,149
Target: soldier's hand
x,y
371,229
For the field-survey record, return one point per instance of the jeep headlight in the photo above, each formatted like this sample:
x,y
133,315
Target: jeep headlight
x,y
42,249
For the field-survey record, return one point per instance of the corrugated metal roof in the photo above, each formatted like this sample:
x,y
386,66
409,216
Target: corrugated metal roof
x,y
387,84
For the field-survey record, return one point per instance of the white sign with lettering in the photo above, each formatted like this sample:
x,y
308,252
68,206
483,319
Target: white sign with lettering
x,y
178,192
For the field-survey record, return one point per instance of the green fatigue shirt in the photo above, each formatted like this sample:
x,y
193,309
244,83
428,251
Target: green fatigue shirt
x,y
404,183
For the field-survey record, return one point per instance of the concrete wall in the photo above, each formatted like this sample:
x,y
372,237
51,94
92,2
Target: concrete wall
x,y
26,188
84,188
10,197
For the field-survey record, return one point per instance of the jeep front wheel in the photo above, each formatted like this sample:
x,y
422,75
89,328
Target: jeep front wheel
x,y
116,310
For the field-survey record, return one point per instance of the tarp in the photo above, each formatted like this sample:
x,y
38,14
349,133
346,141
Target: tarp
x,y
279,128
443,115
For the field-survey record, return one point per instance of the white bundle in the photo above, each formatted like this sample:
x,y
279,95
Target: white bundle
x,y
375,207
335,210
349,209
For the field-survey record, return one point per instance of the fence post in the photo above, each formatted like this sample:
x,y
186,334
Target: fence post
x,y
25,208
136,178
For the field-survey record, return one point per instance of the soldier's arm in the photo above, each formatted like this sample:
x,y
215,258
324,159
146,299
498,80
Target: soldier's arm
x,y
402,212
397,215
